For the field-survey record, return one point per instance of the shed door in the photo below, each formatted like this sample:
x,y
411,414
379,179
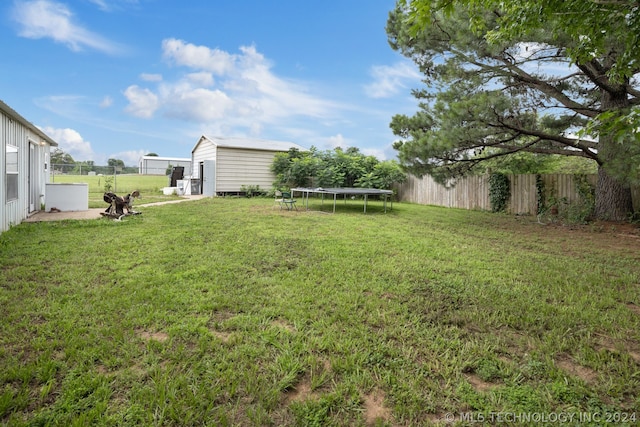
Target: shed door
x,y
209,178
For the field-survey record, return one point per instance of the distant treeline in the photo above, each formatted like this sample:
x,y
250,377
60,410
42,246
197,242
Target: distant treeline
x,y
85,169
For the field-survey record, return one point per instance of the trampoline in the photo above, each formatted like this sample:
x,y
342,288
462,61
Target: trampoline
x,y
366,192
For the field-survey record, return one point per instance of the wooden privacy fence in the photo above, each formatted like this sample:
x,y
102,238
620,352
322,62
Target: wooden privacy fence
x,y
472,192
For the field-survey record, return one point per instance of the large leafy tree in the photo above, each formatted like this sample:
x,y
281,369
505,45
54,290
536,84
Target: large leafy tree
x,y
334,168
115,162
59,157
504,77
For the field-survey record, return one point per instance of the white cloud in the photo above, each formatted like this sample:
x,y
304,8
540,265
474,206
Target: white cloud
x,y
142,102
102,4
389,80
106,102
109,5
71,142
197,57
49,19
202,78
199,105
276,97
255,129
530,50
375,152
337,141
245,92
534,58
130,158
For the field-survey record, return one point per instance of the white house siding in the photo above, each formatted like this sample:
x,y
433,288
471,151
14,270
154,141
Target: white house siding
x,y
17,132
239,167
205,150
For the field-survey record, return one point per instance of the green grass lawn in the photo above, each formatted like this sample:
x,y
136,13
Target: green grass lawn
x,y
226,311
150,186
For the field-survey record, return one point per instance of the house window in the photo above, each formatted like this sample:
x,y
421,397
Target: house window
x,y
11,168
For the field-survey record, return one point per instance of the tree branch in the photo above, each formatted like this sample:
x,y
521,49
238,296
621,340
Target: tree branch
x,y
578,148
540,150
633,92
547,89
595,72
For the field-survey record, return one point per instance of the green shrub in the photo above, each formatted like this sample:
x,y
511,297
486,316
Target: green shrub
x,y
499,191
252,190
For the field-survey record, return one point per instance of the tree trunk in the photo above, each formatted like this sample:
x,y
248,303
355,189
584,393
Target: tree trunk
x,y
613,199
613,195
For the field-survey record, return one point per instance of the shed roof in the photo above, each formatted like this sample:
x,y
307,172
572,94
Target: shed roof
x,y
178,159
26,123
249,143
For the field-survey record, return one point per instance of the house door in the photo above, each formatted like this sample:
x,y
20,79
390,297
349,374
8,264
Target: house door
x,y
33,179
209,178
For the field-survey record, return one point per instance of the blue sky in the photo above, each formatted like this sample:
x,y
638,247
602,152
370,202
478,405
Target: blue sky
x,y
122,78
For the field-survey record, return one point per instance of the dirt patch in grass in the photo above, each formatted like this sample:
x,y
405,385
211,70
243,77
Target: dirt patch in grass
x,y
374,408
216,323
283,324
222,315
301,392
617,346
135,369
634,308
304,388
478,383
571,367
439,418
156,336
516,343
222,336
218,318
635,355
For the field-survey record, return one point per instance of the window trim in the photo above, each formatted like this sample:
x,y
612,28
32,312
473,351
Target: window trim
x,y
12,172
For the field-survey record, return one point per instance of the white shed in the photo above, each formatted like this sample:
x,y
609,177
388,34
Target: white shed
x,y
224,164
154,165
24,167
